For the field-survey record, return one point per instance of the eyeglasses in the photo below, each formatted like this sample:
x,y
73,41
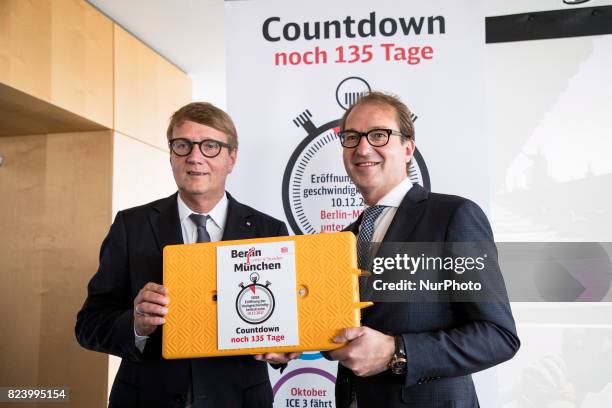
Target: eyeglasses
x,y
375,137
210,148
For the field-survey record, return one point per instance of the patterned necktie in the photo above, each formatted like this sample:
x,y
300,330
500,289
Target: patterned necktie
x,y
200,222
365,234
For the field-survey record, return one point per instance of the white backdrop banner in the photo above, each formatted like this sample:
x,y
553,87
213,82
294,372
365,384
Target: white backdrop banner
x,y
294,68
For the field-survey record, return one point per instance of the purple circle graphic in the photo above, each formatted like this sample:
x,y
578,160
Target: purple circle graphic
x,y
306,370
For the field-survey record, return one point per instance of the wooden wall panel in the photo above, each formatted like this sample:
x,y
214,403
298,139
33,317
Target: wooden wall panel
x,y
82,60
55,211
60,51
25,51
148,89
65,67
21,188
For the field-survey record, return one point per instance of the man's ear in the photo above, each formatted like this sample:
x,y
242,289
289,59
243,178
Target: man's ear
x,y
409,149
233,156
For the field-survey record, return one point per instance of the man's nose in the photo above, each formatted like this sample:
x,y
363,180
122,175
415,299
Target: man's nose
x,y
364,146
196,155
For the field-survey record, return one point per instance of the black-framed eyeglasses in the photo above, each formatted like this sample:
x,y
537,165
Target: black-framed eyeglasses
x,y
375,137
210,148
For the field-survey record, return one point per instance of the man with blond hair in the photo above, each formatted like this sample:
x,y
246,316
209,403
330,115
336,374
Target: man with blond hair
x,y
126,302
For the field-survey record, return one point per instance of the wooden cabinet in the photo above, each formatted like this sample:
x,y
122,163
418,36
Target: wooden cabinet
x,y
61,52
82,60
66,66
25,46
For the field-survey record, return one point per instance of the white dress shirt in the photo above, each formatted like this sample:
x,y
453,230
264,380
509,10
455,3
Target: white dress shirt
x,y
391,201
215,226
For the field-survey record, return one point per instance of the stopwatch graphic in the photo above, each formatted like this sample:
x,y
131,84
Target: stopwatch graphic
x,y
255,302
318,195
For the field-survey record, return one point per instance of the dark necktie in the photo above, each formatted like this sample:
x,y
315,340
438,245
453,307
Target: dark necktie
x,y
203,236
365,234
200,222
364,239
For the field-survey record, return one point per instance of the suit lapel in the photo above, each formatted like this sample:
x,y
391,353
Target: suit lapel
x,y
408,215
239,223
167,226
165,222
354,227
405,220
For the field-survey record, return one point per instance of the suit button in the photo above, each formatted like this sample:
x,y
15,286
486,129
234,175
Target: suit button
x,y
179,398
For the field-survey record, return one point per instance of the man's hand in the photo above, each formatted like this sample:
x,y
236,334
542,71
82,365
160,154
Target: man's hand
x,y
367,353
150,308
277,358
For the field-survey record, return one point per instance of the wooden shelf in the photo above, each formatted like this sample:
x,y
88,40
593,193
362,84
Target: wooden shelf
x,y
23,114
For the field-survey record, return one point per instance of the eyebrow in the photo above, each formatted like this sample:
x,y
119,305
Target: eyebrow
x,y
372,128
198,141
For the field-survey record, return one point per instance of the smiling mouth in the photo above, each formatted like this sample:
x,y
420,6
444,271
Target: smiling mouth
x,y
366,164
196,173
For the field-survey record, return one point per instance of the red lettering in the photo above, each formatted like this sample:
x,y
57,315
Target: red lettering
x,y
316,56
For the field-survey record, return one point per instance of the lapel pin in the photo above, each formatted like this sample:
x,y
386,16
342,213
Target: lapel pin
x,y
248,223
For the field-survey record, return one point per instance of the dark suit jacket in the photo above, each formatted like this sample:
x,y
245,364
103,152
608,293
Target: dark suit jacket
x,y
444,341
131,256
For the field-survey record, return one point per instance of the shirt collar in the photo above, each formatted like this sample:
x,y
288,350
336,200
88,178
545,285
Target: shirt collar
x,y
394,197
218,214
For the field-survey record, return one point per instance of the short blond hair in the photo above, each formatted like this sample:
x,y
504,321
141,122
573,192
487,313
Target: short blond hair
x,y
207,114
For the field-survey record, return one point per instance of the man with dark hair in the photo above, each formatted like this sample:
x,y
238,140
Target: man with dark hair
x,y
126,302
413,354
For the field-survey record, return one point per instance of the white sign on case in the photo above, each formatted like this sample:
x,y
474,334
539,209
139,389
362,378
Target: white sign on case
x,y
256,296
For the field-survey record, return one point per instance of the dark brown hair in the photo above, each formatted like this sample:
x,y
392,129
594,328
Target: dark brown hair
x,y
406,126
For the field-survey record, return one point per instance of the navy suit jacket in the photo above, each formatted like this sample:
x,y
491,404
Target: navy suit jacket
x,y
444,341
131,256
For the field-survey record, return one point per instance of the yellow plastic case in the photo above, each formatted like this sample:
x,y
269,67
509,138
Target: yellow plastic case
x,y
327,295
